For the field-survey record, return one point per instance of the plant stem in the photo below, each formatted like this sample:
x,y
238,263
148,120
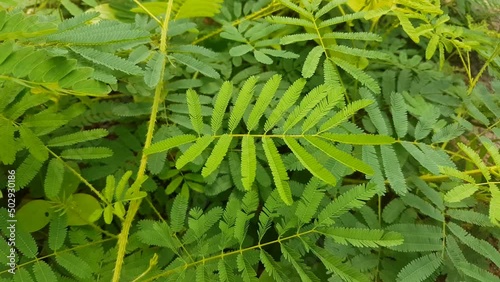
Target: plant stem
x,y
134,205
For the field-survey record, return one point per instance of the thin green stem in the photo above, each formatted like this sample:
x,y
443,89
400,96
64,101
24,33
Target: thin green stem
x,y
134,205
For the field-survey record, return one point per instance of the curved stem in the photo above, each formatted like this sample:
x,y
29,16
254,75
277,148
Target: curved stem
x,y
134,205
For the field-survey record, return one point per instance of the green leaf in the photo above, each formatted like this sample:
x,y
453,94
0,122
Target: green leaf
x,y
77,137
80,207
272,267
240,50
194,151
26,244
87,153
351,199
364,237
34,144
300,37
340,155
265,97
480,246
54,178
393,170
431,47
43,272
8,144
153,72
22,275
178,213
420,268
194,106
345,114
242,102
291,95
57,231
310,162
107,59
262,58
278,170
218,154
34,215
173,185
248,162
474,156
196,65
423,206
335,265
476,272
74,264
359,139
27,170
399,115
460,192
311,62
358,74
306,105
169,143
220,106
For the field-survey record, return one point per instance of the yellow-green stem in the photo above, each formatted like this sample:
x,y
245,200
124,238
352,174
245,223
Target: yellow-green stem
x,y
134,205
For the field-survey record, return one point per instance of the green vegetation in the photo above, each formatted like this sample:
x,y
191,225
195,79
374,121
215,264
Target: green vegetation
x,y
250,140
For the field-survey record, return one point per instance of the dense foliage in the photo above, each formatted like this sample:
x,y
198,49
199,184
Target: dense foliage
x,y
250,140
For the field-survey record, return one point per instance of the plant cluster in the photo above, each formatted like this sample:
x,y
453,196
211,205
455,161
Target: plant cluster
x,y
250,140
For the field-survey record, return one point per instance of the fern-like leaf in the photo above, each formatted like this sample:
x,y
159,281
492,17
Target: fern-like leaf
x,y
169,143
107,59
244,98
54,178
265,97
77,137
291,21
420,269
306,105
460,192
476,159
345,114
335,265
353,198
358,74
153,73
300,37
364,237
248,162
272,267
87,153
43,272
399,115
291,95
366,36
480,246
310,162
278,170
178,213
340,156
393,170
342,19
194,151
34,144
359,139
194,106
311,62
74,264
217,155
196,65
